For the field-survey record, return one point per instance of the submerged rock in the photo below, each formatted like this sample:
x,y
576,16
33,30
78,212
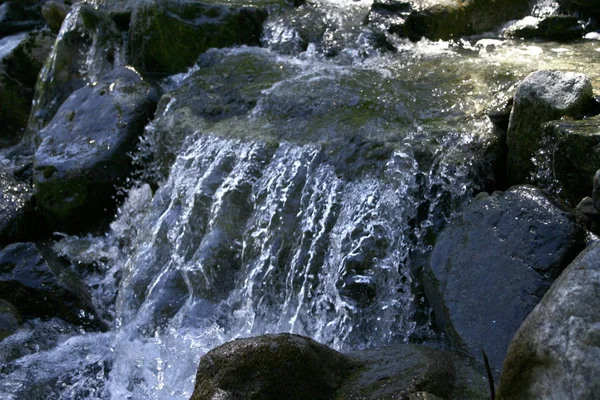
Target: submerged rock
x,y
556,352
270,367
574,151
541,97
491,266
83,152
167,37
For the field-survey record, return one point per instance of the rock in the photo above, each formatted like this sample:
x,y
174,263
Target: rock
x,y
590,214
83,152
583,8
19,16
9,319
565,142
89,47
167,37
541,97
491,266
553,27
556,352
15,207
446,19
19,69
268,367
27,281
596,190
400,371
54,14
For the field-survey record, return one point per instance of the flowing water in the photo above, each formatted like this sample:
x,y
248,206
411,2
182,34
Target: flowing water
x,y
311,211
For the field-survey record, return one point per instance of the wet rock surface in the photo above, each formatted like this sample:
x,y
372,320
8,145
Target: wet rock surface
x,y
9,319
573,148
19,16
491,266
15,207
556,352
27,281
541,97
553,27
271,367
19,69
157,28
83,152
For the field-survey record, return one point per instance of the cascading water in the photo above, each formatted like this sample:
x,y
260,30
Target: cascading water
x,y
272,222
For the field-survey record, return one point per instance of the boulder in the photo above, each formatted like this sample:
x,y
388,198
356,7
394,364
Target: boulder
x,y
573,148
27,281
15,207
19,16
269,367
88,46
9,319
552,27
19,69
166,37
83,152
583,8
54,14
556,352
596,190
447,19
541,97
491,266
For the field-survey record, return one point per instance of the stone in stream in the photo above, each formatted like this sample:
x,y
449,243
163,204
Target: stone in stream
x,y
15,208
553,27
286,366
9,319
269,367
446,19
27,281
573,149
491,266
541,97
83,152
166,37
19,16
87,48
596,190
19,69
54,14
556,352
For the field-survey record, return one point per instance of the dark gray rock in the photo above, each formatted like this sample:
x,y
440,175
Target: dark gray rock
x,y
596,190
27,281
541,97
9,319
573,148
83,152
166,37
89,47
19,69
583,8
556,352
270,367
491,266
54,14
553,27
19,16
15,207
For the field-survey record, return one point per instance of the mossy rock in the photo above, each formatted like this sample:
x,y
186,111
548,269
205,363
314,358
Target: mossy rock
x,y
167,37
268,367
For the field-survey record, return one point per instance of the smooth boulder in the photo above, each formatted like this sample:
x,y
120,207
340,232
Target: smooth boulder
x,y
166,37
541,97
282,366
83,152
574,155
491,266
556,352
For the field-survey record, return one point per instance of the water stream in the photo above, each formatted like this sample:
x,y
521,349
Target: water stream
x,y
311,213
